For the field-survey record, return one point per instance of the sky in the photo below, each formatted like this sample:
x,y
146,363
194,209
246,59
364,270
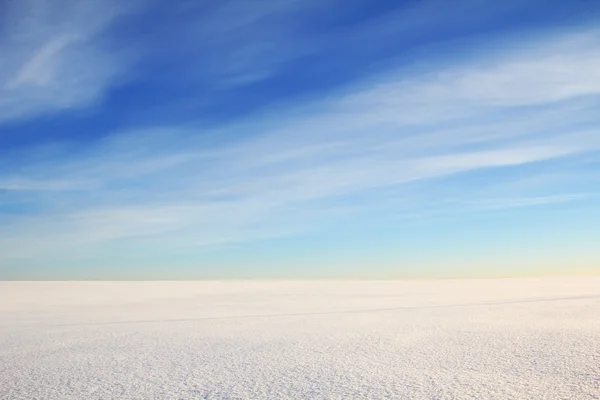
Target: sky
x,y
224,139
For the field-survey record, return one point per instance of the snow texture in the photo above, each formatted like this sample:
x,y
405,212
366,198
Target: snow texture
x,y
440,339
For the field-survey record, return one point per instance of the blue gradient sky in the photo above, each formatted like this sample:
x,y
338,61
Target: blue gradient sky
x,y
216,139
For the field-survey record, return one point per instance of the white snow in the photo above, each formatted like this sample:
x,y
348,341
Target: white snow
x,y
439,339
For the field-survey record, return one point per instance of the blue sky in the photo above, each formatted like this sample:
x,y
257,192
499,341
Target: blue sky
x,y
235,139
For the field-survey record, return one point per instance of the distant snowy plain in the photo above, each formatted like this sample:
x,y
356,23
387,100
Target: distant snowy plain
x,y
438,339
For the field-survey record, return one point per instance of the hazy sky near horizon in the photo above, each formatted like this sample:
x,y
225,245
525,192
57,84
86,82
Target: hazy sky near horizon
x,y
298,138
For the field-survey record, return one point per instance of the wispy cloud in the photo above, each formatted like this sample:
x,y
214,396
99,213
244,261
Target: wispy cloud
x,y
38,185
55,57
297,165
508,203
365,140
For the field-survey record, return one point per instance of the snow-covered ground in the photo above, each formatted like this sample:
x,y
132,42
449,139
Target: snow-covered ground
x,y
445,339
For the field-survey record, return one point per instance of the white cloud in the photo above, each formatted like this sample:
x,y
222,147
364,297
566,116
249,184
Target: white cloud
x,y
41,68
39,185
405,128
53,57
507,203
514,75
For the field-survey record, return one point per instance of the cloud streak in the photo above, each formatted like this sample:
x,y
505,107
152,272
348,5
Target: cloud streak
x,y
55,56
293,168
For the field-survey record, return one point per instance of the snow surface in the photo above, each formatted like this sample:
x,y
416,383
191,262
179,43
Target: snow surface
x,y
439,339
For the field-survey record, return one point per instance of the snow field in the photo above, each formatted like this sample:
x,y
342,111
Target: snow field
x,y
439,339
